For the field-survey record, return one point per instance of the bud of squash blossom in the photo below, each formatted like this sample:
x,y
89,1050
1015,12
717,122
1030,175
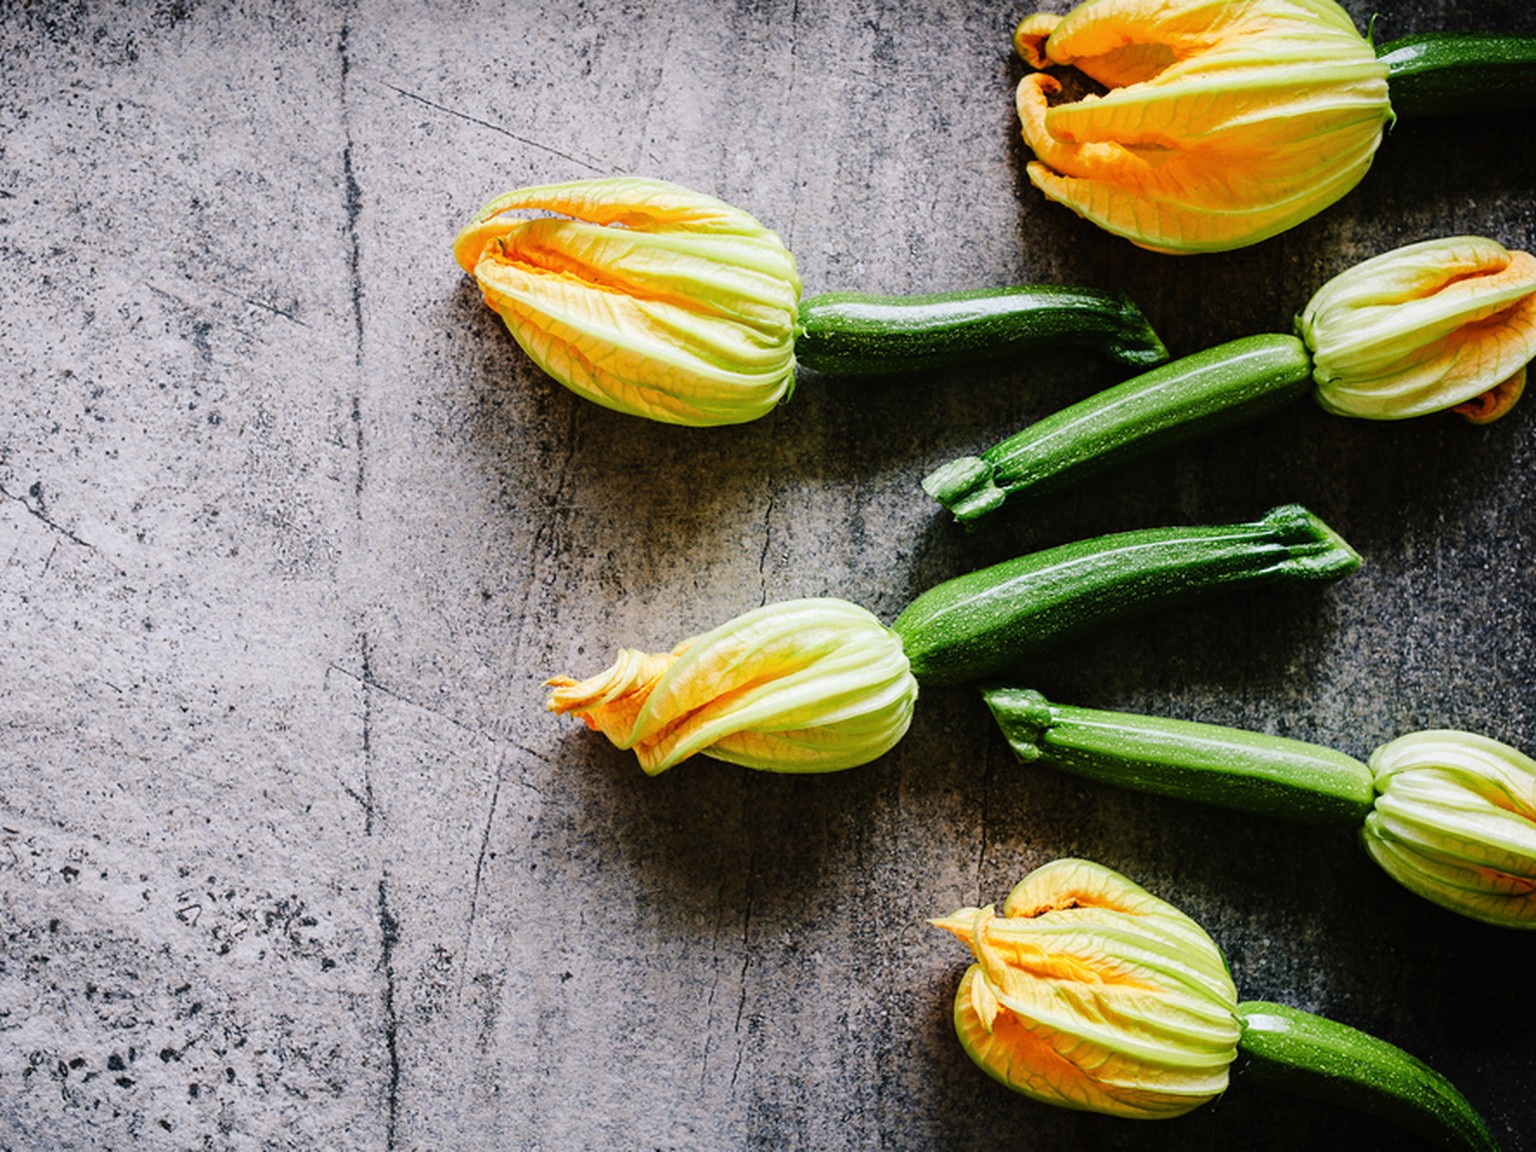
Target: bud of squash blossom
x,y
1441,324
1091,993
800,686
1223,124
1455,822
642,296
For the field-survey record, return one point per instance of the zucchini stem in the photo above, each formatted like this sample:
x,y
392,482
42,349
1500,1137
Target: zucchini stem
x,y
1197,395
977,625
1231,767
1443,73
850,333
1325,1060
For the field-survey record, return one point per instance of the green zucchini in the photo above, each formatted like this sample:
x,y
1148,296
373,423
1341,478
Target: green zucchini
x,y
850,333
1227,766
1193,396
1325,1060
976,625
1440,73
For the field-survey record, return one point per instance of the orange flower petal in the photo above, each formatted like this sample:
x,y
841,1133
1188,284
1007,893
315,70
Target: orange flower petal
x,y
801,686
1092,993
1224,123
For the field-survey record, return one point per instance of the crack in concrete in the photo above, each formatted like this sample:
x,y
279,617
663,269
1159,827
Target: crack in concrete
x,y
263,304
368,680
389,936
746,964
369,684
474,893
587,164
40,515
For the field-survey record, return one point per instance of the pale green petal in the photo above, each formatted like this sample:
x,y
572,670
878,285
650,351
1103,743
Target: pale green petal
x,y
1455,821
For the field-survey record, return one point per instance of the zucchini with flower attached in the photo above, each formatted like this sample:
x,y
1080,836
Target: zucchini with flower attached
x,y
1449,815
1444,324
653,299
1088,992
819,685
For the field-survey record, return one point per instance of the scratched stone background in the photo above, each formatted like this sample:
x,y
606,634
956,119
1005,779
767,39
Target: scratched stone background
x,y
291,855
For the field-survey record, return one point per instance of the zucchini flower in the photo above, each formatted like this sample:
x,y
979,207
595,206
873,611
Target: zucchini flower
x,y
662,302
1455,822
1443,324
642,296
1449,815
1091,993
801,686
820,685
1223,123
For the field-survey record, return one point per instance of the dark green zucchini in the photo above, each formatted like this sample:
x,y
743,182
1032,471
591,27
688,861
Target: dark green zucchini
x,y
1232,767
850,333
1325,1060
977,625
1194,396
1441,73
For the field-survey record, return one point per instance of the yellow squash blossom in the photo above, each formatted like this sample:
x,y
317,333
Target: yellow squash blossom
x,y
642,296
1224,122
800,686
1091,993
1455,822
1441,324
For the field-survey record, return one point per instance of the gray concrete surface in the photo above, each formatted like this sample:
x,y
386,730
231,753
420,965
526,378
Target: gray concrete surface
x,y
291,855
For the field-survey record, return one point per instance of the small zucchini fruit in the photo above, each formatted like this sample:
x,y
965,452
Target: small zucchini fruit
x,y
1231,767
852,333
1325,1060
1194,396
1441,73
977,625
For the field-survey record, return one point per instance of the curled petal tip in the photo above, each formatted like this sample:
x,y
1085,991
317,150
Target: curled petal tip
x,y
1495,403
1030,35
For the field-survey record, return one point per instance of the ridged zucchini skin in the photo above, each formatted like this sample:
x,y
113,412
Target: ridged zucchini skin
x,y
1232,767
1446,73
977,625
1194,396
853,334
1325,1060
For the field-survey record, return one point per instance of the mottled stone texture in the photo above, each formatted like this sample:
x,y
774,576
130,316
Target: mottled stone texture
x,y
291,855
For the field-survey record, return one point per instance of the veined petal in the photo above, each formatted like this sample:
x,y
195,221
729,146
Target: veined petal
x,y
1426,327
632,202
638,356
1224,123
1091,993
644,297
801,686
1455,821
